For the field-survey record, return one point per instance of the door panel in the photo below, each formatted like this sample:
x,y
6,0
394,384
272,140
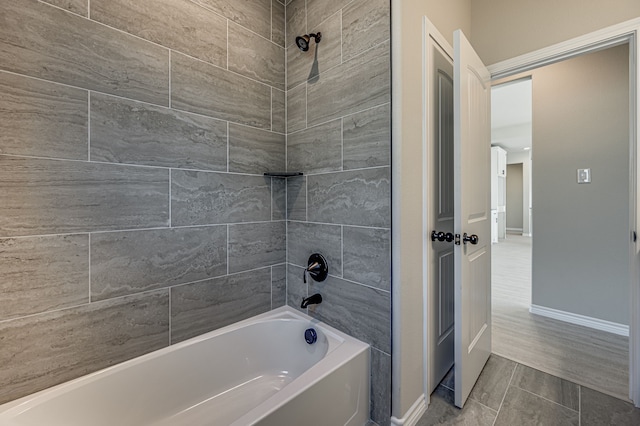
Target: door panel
x,y
440,206
472,149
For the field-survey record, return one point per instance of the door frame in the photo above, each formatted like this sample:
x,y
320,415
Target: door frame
x,y
625,32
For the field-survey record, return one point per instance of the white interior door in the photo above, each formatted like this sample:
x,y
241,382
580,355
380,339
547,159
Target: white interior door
x,y
472,216
440,254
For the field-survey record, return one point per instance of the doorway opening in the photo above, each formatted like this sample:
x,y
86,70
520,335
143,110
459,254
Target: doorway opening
x,y
560,298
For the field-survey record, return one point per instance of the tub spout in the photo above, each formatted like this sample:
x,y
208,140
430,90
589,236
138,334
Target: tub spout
x,y
311,300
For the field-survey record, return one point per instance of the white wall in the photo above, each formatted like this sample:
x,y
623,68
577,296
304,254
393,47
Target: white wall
x,y
515,197
503,29
581,243
524,157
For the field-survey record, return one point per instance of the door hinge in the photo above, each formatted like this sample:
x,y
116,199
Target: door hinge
x,y
457,239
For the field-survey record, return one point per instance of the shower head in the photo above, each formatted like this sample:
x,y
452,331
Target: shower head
x,y
303,41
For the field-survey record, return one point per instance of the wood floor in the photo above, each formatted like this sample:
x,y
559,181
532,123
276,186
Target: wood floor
x,y
588,357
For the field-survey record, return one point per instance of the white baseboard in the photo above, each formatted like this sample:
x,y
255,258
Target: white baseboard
x,y
414,414
515,230
598,324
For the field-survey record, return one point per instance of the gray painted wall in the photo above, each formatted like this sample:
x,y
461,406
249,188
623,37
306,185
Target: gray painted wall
x,y
338,134
132,201
514,196
581,242
503,29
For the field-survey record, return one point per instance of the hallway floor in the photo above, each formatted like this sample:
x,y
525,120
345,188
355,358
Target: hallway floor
x,y
593,358
508,394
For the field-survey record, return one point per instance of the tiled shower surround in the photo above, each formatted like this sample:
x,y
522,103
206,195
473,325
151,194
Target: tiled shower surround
x,y
133,208
338,134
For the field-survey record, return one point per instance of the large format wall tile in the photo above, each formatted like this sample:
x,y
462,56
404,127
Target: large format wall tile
x,y
43,350
277,23
200,198
49,196
362,312
380,386
205,89
75,6
255,57
297,108
365,23
255,245
317,149
319,10
309,65
367,138
367,256
42,41
296,288
297,198
304,239
124,131
296,21
255,151
278,111
42,119
135,261
43,273
178,24
357,84
361,197
201,307
278,199
250,14
278,286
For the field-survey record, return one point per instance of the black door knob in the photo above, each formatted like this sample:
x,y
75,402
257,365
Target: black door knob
x,y
473,239
441,236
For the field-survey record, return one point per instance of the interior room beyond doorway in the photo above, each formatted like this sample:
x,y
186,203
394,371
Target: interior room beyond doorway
x,y
580,119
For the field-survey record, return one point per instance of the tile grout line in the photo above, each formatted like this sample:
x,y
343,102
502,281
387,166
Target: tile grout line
x,y
579,405
545,399
168,48
513,373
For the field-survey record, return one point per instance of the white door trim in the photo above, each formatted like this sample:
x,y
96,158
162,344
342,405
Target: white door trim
x,y
625,32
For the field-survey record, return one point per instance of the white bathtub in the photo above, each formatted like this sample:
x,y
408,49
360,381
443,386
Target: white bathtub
x,y
259,371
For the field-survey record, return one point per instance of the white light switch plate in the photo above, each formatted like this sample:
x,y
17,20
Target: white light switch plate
x,y
584,175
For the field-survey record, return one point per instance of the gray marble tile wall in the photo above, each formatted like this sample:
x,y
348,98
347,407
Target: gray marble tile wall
x,y
134,213
338,134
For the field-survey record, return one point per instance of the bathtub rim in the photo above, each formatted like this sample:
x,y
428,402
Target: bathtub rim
x,y
342,349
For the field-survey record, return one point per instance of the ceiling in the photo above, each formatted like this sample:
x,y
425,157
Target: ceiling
x,y
511,115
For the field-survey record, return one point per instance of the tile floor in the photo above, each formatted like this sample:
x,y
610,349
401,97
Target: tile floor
x,y
510,394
